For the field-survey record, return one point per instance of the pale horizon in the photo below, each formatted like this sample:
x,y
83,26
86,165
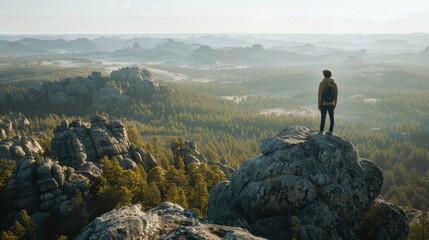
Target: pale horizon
x,y
210,17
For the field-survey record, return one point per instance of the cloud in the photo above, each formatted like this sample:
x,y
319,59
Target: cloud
x,y
126,5
121,22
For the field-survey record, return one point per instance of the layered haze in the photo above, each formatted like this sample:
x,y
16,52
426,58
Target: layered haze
x,y
192,16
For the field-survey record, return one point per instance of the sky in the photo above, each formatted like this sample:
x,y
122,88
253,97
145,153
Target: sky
x,y
212,16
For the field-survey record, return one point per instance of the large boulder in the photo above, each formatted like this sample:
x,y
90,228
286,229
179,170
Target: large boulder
x,y
308,185
18,147
187,151
144,84
79,142
167,221
383,220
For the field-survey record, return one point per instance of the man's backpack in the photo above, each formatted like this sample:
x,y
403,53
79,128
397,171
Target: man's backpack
x,y
329,93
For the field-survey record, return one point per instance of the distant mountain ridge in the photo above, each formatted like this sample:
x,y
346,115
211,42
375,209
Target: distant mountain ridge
x,y
225,50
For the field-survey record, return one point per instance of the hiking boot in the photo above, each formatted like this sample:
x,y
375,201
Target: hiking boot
x,y
320,133
329,133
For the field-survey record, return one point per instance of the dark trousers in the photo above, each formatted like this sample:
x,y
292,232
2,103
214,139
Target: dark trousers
x,y
330,110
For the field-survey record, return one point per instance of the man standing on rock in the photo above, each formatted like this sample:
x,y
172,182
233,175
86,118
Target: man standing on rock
x,y
327,100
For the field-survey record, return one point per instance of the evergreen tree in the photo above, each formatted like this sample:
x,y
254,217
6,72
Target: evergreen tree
x,y
22,228
156,175
125,197
79,214
8,235
152,196
199,195
172,194
419,230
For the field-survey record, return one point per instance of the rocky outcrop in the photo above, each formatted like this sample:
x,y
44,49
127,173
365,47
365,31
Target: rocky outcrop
x,y
307,186
383,220
42,186
6,128
12,122
106,96
18,147
94,91
18,120
223,165
143,82
187,151
79,142
21,190
46,187
167,221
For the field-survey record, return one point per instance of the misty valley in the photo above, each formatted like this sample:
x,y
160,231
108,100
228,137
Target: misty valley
x,y
93,123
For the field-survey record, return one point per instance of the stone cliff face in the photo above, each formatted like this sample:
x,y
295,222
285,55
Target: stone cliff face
x,y
303,186
307,186
77,143
42,188
47,183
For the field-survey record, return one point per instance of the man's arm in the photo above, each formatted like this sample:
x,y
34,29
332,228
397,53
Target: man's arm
x,y
336,94
319,99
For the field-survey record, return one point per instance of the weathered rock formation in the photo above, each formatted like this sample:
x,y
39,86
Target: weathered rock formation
x,y
304,186
94,91
167,221
18,147
142,80
307,186
223,165
12,122
187,151
45,187
42,186
383,220
6,128
79,142
106,96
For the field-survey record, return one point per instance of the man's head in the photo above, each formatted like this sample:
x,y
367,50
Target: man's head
x,y
327,73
